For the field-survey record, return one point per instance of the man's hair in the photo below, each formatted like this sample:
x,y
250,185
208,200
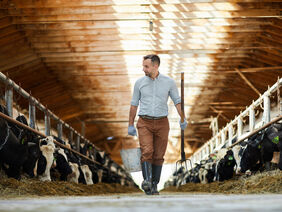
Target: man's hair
x,y
154,59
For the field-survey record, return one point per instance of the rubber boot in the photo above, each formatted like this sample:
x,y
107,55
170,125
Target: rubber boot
x,y
156,174
147,175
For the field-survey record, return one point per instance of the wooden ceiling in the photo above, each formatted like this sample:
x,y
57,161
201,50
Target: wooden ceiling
x,y
82,57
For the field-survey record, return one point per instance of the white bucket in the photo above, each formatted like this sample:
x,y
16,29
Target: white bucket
x,y
131,159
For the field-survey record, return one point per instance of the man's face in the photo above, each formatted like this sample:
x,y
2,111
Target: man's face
x,y
149,68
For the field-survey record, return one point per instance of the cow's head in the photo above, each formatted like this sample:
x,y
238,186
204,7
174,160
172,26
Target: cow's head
x,y
251,152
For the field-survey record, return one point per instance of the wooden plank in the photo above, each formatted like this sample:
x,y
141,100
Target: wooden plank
x,y
141,8
25,59
5,22
149,16
82,47
86,3
133,27
33,37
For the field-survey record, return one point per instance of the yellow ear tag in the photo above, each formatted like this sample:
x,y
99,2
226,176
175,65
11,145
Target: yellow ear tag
x,y
275,140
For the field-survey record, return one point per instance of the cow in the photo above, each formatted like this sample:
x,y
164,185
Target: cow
x,y
73,177
207,172
46,158
225,163
255,152
87,174
33,156
62,164
271,143
13,153
225,167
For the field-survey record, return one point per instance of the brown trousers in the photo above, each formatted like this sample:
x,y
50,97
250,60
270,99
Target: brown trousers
x,y
153,138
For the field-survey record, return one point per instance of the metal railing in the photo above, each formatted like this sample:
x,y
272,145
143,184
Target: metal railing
x,y
221,138
48,115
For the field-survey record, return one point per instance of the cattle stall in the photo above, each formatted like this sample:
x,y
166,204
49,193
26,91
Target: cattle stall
x,y
29,127
259,126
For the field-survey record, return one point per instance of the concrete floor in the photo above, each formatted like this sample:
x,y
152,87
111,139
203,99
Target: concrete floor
x,y
139,203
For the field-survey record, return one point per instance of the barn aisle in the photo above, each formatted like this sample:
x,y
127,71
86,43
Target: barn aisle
x,y
138,202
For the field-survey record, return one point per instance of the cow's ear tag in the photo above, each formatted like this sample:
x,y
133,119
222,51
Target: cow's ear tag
x,y
23,141
275,140
90,147
230,158
259,146
214,157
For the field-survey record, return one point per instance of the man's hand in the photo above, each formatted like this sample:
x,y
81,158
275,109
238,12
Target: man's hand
x,y
132,130
183,124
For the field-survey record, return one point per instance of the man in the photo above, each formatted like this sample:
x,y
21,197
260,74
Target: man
x,y
152,92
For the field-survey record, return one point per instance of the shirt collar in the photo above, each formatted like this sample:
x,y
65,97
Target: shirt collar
x,y
157,78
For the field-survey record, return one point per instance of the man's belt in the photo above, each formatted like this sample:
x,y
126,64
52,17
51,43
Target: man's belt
x,y
152,117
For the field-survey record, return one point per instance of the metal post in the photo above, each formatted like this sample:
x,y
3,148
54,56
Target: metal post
x,y
230,135
266,109
60,130
239,127
216,141
47,124
202,154
279,101
78,143
71,137
9,99
252,120
222,137
83,128
32,114
211,146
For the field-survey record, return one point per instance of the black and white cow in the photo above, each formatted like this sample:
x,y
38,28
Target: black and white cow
x,y
13,153
207,172
271,143
29,166
73,177
62,164
225,167
87,174
46,158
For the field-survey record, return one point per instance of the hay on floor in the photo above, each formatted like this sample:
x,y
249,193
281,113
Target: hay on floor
x,y
11,188
261,183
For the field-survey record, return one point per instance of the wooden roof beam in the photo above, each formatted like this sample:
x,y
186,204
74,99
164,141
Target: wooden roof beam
x,y
266,60
247,81
135,7
219,113
66,3
149,16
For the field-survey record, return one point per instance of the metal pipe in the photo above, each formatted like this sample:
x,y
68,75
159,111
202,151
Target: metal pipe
x,y
257,130
71,137
247,110
230,135
60,130
9,99
266,109
252,119
41,107
32,114
239,127
47,124
77,143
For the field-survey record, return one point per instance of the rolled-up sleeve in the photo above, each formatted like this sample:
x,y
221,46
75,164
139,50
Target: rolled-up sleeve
x,y
136,95
173,93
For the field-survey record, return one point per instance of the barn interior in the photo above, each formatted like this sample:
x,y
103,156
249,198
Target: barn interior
x,y
81,58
